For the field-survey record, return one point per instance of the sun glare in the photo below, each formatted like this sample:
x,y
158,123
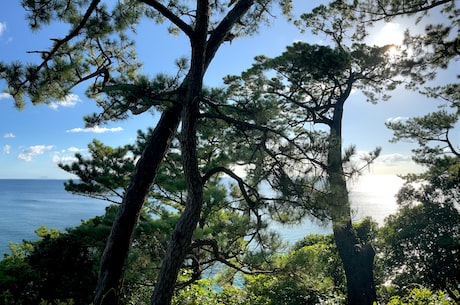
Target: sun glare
x,y
393,51
389,33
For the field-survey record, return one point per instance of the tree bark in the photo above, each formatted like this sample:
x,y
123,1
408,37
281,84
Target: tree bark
x,y
357,259
358,262
117,247
183,232
115,254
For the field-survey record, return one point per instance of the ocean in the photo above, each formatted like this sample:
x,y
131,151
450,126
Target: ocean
x,y
25,205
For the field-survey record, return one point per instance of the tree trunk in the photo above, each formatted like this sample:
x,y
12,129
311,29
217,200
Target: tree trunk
x,y
357,259
183,232
117,247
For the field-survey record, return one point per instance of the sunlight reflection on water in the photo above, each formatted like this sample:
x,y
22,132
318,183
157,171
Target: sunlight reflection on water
x,y
375,196
370,195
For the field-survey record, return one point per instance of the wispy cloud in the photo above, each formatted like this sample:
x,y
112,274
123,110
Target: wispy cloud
x,y
30,152
69,101
392,164
397,119
393,159
6,149
9,135
395,164
2,27
4,95
95,129
58,158
67,155
74,149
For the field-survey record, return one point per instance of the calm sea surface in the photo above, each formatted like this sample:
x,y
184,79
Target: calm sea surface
x,y
25,205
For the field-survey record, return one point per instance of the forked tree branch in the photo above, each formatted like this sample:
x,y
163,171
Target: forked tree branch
x,y
241,184
163,10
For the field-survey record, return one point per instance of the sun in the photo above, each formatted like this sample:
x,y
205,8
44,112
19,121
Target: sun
x,y
390,33
393,51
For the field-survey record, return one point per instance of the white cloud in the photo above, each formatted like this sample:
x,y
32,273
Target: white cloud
x,y
395,164
9,135
393,159
69,101
74,149
57,158
2,27
95,129
67,155
6,149
32,151
388,164
5,96
397,119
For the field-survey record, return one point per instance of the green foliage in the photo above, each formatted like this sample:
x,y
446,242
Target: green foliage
x,y
57,302
421,246
228,224
206,292
422,241
308,274
273,290
366,230
103,174
63,265
100,46
421,296
427,130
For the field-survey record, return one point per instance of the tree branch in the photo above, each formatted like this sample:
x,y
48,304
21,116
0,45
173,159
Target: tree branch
x,y
188,30
403,11
60,42
219,257
241,184
223,29
451,146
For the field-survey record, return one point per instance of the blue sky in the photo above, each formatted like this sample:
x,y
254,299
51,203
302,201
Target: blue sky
x,y
34,140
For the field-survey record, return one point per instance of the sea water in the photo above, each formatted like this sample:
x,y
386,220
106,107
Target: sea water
x,y
370,196
25,205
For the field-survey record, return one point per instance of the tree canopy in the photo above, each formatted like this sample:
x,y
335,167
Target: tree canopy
x,y
280,121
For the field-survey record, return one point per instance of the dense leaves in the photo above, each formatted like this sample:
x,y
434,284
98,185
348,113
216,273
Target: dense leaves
x,y
262,124
63,265
421,246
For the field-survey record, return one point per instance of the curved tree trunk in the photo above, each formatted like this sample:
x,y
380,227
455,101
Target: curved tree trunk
x,y
117,247
182,235
357,259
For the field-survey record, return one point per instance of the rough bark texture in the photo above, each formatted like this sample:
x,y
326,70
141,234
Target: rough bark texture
x,y
358,262
183,232
357,259
117,247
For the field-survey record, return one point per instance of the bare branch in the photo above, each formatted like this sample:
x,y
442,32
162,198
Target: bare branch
x,y
222,31
188,30
219,257
241,184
